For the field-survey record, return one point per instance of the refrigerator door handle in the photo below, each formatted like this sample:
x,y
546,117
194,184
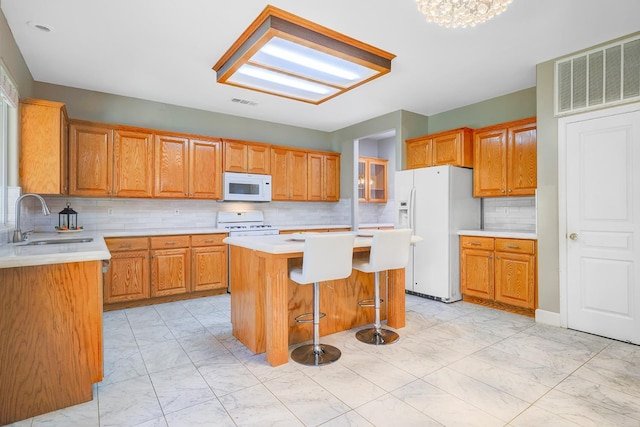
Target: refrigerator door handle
x,y
412,202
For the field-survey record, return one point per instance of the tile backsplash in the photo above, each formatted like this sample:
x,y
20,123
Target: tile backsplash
x,y
510,213
140,214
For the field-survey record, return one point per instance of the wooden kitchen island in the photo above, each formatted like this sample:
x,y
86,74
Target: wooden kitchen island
x,y
264,302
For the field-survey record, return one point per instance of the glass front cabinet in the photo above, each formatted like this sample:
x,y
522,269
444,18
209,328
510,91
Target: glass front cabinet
x,y
372,180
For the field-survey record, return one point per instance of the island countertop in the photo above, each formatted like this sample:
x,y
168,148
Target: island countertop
x,y
292,243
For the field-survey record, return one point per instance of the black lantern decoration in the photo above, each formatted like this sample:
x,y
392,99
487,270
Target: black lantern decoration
x,y
67,219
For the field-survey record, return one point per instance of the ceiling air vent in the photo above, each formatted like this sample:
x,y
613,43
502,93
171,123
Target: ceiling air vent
x,y
243,101
601,77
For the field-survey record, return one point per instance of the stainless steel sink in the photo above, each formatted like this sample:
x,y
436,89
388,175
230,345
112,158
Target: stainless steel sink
x,y
60,241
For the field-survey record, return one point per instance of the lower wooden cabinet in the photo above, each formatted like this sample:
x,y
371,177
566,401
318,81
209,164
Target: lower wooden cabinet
x,y
499,272
209,262
128,276
170,272
145,270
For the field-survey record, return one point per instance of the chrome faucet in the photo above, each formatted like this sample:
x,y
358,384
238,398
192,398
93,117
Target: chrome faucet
x,y
18,235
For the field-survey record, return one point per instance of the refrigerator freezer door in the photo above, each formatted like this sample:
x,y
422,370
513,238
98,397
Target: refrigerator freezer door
x,y
403,195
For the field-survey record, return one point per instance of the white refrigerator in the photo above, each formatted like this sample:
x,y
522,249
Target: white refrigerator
x,y
435,202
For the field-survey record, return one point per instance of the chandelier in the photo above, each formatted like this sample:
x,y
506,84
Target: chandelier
x,y
461,13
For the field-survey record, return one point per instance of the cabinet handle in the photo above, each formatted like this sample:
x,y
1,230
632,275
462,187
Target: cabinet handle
x,y
502,190
497,257
490,256
209,241
125,245
513,246
170,243
510,190
475,243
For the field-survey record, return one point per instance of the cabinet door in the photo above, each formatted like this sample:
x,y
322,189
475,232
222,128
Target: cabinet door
x,y
298,174
315,174
331,178
490,163
44,147
419,153
209,268
235,156
362,179
170,272
377,181
476,273
515,279
446,149
522,173
133,164
258,159
90,161
171,166
127,278
205,178
279,174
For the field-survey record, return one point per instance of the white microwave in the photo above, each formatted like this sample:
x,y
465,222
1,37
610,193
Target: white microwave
x,y
246,187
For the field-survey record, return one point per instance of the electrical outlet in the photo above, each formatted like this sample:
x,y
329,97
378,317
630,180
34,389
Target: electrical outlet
x,y
110,212
176,211
505,210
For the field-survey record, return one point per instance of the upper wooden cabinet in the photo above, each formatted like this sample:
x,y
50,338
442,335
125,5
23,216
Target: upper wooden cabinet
x,y
187,168
108,162
43,147
288,174
323,177
247,157
453,147
132,163
506,159
90,160
372,180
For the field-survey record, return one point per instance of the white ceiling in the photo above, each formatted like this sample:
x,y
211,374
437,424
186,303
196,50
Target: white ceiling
x,y
163,51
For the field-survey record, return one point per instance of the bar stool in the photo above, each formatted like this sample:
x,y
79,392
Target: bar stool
x,y
327,256
389,250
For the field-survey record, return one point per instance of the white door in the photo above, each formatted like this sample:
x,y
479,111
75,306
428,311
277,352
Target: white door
x,y
603,225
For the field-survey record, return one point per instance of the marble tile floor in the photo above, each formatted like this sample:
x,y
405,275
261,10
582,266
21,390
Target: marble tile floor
x,y
460,364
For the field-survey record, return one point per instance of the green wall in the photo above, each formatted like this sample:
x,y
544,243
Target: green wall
x,y
103,107
513,106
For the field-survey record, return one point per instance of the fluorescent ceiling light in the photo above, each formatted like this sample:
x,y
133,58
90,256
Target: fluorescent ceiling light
x,y
285,55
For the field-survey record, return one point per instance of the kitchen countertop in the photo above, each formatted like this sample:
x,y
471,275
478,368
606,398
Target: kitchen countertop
x,y
310,227
23,255
500,233
289,243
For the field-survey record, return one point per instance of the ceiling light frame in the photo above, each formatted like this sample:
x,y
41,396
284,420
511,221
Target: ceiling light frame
x,y
283,54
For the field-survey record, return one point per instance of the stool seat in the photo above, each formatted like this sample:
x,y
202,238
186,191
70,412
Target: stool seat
x,y
389,251
326,256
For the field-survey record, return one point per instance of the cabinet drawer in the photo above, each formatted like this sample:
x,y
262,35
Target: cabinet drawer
x,y
475,242
127,244
516,245
164,242
207,239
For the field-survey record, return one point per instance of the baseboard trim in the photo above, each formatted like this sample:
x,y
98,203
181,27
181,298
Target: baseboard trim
x,y
547,317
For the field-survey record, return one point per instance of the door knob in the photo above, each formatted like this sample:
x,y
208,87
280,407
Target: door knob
x,y
573,236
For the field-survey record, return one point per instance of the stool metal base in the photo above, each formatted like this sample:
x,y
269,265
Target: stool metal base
x,y
306,355
377,337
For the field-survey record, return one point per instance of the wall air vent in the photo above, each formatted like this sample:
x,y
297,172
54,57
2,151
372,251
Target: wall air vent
x,y
601,77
